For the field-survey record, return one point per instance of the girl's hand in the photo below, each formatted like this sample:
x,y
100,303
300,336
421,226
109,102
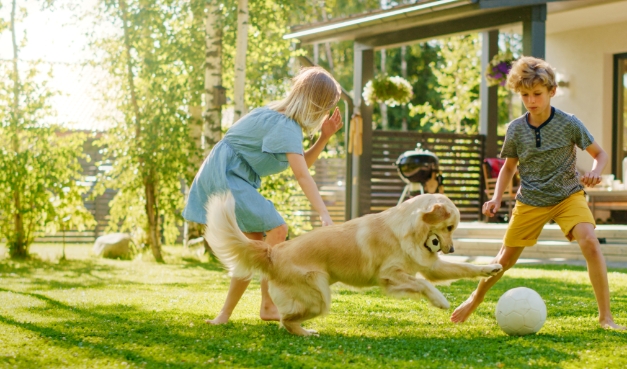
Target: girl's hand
x,y
326,220
590,179
491,207
332,124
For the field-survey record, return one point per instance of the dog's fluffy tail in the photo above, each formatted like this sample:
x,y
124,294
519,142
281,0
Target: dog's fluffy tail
x,y
241,255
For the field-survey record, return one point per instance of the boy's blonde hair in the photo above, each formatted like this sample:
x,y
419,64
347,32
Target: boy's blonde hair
x,y
527,71
314,92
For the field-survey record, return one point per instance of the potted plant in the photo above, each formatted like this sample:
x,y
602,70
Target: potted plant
x,y
392,91
498,68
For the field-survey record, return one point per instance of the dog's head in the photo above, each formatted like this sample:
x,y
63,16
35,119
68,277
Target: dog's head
x,y
426,216
440,217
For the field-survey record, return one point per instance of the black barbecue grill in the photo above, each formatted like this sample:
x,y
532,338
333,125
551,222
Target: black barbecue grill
x,y
415,168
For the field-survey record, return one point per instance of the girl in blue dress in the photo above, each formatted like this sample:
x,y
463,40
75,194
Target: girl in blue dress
x,y
266,141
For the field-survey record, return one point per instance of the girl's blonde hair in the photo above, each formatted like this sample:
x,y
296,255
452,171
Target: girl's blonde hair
x,y
527,71
314,92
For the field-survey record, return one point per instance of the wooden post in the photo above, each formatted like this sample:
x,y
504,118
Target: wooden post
x,y
362,73
534,32
489,114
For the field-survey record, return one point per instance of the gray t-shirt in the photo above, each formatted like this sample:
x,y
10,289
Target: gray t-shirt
x,y
546,157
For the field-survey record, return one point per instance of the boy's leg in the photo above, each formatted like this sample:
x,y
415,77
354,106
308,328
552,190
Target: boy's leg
x,y
507,257
523,231
268,310
597,270
236,290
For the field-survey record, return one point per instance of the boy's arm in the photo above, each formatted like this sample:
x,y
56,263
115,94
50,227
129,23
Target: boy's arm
x,y
309,187
505,177
331,125
593,177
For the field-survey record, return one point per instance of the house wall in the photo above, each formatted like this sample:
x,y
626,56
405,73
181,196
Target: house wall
x,y
585,56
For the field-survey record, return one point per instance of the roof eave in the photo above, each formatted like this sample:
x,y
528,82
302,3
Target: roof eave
x,y
353,28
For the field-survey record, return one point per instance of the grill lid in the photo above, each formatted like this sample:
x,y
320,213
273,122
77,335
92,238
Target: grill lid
x,y
417,165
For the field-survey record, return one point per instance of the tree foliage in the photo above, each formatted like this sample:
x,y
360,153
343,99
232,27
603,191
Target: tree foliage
x,y
458,75
40,181
154,60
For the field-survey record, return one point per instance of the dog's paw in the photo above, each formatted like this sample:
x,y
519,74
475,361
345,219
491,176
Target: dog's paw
x,y
312,332
439,301
492,269
442,304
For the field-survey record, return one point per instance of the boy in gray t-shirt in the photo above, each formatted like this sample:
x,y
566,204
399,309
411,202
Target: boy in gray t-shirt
x,y
541,144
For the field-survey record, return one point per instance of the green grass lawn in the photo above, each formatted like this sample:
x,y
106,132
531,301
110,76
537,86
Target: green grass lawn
x,y
94,313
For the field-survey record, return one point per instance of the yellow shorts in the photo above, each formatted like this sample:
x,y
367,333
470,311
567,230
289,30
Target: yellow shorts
x,y
527,221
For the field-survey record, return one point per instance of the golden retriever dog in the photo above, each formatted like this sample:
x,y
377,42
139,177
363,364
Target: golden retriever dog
x,y
387,249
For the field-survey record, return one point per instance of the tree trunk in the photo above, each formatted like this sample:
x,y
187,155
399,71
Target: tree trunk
x,y
382,106
152,212
148,175
239,85
404,75
17,246
213,77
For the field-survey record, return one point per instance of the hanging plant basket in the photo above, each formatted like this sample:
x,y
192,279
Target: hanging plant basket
x,y
498,68
392,91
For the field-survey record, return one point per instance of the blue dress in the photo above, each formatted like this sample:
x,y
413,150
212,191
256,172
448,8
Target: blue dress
x,y
254,147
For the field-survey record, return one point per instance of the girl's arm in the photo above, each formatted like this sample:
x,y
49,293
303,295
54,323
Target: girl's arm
x,y
309,187
593,177
505,176
331,125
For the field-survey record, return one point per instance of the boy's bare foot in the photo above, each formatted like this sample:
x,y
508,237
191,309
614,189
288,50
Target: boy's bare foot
x,y
464,310
611,325
222,318
269,313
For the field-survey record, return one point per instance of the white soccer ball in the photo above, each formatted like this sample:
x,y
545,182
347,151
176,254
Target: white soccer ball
x,y
520,311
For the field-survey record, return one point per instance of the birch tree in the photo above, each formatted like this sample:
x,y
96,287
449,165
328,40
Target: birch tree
x,y
213,76
241,47
151,63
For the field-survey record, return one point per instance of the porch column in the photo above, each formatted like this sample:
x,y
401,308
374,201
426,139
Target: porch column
x,y
363,71
534,32
489,115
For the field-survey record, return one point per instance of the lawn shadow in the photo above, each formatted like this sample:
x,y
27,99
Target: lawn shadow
x,y
211,265
73,273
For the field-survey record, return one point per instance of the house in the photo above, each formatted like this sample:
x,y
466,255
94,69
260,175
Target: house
x,y
585,39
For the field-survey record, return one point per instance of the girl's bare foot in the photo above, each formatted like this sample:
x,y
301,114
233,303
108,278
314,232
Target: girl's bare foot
x,y
222,318
269,312
611,325
464,310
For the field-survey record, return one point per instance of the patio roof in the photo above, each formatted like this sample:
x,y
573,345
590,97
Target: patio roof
x,y
419,21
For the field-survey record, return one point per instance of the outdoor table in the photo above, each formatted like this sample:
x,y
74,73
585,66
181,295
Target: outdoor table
x,y
602,199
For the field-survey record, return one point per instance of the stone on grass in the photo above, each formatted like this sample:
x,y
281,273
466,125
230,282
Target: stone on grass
x,y
113,246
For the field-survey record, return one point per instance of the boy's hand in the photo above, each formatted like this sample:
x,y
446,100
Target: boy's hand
x,y
491,207
332,124
590,179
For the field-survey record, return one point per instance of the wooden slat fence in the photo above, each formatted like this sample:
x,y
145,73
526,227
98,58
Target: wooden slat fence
x,y
460,158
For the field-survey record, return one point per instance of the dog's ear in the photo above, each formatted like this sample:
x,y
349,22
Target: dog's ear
x,y
436,214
